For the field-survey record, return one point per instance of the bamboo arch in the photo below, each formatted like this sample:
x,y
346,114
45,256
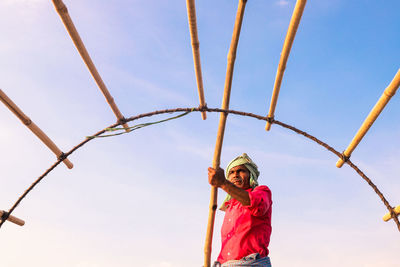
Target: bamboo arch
x,y
392,210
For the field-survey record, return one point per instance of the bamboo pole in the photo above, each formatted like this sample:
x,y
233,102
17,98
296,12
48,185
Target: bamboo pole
x,y
221,129
13,219
388,216
33,127
287,45
73,33
372,116
191,10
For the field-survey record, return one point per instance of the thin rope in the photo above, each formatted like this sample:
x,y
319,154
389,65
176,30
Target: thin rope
x,y
157,112
136,127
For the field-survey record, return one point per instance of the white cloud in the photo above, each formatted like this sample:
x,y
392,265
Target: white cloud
x,y
18,2
282,3
27,7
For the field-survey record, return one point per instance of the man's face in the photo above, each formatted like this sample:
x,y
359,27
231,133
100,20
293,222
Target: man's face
x,y
239,176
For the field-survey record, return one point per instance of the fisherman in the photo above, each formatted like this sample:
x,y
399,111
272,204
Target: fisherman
x,y
246,230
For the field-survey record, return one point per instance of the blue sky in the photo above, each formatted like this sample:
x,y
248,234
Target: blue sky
x,y
142,199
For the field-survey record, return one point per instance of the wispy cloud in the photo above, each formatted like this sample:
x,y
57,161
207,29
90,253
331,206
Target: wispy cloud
x,y
281,158
29,8
17,2
149,88
282,3
191,145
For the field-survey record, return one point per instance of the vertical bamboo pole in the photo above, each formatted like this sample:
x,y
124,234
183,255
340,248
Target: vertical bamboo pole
x,y
287,45
191,10
13,219
221,128
33,127
73,33
372,116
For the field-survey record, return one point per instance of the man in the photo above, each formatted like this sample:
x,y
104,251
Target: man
x,y
246,229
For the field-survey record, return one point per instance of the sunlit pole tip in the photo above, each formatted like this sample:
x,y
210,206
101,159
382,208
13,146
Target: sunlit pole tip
x,y
340,161
388,216
268,126
69,164
12,219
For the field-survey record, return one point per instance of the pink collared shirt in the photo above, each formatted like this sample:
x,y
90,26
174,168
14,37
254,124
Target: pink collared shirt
x,y
247,229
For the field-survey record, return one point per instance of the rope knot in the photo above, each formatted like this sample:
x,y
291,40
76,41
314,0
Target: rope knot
x,y
203,107
271,119
393,212
4,216
123,120
344,157
62,156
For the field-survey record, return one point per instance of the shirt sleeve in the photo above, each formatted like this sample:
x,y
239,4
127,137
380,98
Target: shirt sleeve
x,y
260,200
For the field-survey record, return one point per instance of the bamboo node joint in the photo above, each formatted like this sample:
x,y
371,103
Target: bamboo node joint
x,y
214,207
27,122
388,94
61,7
196,45
231,57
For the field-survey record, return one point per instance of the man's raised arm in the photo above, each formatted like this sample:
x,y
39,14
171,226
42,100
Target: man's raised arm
x,y
217,178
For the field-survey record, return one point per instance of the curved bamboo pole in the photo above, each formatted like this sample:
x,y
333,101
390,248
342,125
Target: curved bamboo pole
x,y
287,45
73,33
372,116
191,10
221,129
12,219
33,127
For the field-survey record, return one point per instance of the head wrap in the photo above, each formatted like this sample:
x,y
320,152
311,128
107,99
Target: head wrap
x,y
245,160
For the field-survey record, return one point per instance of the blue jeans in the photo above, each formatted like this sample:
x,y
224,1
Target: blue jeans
x,y
250,260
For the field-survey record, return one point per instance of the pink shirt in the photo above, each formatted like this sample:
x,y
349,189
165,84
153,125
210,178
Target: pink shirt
x,y
247,229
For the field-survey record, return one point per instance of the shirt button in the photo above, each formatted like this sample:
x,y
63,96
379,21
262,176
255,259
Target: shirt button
x,y
229,253
229,220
